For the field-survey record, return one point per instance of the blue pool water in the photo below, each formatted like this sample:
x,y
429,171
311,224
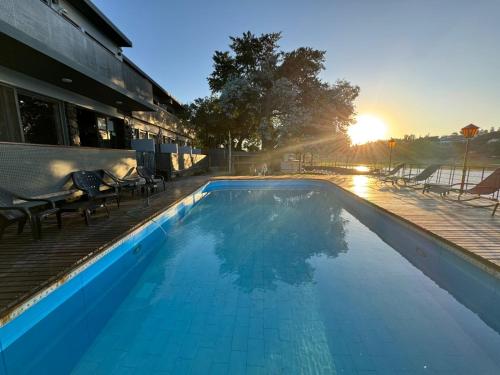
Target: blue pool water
x,y
288,281
273,277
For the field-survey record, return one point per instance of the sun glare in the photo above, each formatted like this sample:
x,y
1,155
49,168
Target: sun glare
x,y
366,129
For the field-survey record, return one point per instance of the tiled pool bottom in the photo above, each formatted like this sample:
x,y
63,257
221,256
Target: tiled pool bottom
x,y
288,282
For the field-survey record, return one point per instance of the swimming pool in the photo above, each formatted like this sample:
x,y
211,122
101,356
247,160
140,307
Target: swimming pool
x,y
272,277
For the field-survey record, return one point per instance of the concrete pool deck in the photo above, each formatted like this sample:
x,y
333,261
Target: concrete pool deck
x,y
27,267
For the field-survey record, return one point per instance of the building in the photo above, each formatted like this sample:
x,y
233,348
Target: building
x,y
65,81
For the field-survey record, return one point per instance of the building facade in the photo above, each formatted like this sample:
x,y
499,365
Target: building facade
x,y
65,81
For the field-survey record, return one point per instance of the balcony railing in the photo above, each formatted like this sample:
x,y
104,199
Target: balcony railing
x,y
161,118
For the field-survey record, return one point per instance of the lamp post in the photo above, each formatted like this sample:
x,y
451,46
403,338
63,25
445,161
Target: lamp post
x,y
391,143
469,132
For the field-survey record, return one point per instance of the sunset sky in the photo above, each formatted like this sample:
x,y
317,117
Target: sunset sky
x,y
424,66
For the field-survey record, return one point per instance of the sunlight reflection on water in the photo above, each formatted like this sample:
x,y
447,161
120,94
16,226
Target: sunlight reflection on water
x,y
360,185
362,168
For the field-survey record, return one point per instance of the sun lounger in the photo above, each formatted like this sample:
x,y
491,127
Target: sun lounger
x,y
413,180
94,197
18,209
131,184
484,190
392,175
152,180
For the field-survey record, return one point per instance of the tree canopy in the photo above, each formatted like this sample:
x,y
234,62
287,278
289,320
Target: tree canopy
x,y
268,98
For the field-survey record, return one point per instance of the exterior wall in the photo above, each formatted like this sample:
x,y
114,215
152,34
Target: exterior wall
x,y
43,24
75,15
161,118
152,122
136,83
39,170
185,164
38,27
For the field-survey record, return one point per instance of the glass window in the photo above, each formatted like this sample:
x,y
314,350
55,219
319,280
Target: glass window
x,y
103,128
40,119
10,131
153,136
87,128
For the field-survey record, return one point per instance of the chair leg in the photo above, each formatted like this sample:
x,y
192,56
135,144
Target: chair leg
x,y
20,226
39,227
106,208
2,229
495,209
59,220
34,228
118,201
86,215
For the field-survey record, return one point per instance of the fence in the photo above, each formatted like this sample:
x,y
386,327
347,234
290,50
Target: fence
x,y
448,174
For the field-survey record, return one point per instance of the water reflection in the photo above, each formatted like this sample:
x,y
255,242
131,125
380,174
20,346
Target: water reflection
x,y
362,168
268,236
360,185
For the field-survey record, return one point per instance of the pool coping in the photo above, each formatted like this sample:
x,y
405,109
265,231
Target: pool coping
x,y
108,247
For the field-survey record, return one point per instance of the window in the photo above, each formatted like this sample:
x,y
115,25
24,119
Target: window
x,y
87,128
153,137
91,129
102,126
10,131
40,119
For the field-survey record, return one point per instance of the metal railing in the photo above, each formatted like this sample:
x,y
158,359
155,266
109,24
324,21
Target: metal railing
x,y
448,174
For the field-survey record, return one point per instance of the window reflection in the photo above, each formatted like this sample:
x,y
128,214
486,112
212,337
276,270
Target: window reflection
x,y
40,120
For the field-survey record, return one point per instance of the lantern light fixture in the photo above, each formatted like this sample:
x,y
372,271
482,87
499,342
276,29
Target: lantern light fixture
x,y
469,132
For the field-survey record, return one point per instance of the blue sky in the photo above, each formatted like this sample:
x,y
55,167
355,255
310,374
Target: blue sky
x,y
424,66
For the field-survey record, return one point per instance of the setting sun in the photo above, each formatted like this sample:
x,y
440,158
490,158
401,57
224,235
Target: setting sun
x,y
366,129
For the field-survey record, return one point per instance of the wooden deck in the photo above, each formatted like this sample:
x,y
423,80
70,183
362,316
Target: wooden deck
x,y
26,267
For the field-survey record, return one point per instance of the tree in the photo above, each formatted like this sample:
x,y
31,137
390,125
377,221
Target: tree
x,y
272,99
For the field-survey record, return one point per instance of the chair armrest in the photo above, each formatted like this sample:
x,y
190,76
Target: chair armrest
x,y
52,204
465,184
108,185
112,177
